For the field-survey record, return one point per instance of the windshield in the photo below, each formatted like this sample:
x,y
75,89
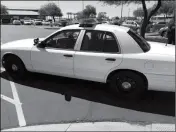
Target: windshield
x,y
140,41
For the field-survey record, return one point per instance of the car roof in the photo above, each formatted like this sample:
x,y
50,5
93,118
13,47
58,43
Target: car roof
x,y
100,27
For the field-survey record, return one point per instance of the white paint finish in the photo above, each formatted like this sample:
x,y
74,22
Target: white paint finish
x,y
52,61
20,115
160,60
162,49
21,48
127,44
161,83
93,66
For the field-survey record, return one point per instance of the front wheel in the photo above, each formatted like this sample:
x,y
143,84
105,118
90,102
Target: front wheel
x,y
128,84
15,67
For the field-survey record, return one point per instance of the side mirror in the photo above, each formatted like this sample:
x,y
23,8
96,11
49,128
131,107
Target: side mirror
x,y
41,44
36,41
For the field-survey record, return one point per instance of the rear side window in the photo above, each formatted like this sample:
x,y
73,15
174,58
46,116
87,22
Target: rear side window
x,y
110,43
99,41
140,41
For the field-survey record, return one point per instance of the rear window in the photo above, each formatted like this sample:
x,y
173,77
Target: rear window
x,y
140,41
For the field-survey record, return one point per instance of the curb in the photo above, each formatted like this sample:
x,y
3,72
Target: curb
x,y
97,126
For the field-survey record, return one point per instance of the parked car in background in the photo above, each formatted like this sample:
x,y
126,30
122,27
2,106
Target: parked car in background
x,y
37,22
22,21
105,22
158,25
27,22
16,22
46,22
163,31
132,25
57,23
63,23
116,22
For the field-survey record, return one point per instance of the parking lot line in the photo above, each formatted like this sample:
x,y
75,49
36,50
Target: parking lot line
x,y
19,110
9,100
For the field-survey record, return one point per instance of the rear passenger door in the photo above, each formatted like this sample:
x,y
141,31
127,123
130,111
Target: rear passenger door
x,y
99,52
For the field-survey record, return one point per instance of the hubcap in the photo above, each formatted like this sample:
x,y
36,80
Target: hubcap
x,y
126,85
14,67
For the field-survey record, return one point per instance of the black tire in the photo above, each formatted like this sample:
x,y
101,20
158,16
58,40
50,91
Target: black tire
x,y
19,71
135,85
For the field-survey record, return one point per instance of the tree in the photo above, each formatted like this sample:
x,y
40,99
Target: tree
x,y
50,9
101,15
69,15
167,8
89,11
138,12
147,14
4,10
80,15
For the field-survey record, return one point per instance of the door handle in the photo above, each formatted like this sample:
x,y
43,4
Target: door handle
x,y
110,59
67,55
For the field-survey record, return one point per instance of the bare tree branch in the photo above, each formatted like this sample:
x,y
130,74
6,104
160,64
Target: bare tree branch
x,y
155,9
145,9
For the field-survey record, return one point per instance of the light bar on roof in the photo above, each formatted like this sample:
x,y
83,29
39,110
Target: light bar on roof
x,y
90,22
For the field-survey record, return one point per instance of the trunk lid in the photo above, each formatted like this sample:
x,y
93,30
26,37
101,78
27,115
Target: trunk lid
x,y
161,48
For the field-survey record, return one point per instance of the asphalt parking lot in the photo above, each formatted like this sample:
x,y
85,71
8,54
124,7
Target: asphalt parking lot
x,y
42,99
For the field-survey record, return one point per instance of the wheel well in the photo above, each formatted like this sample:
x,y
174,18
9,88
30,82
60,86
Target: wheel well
x,y
121,70
10,54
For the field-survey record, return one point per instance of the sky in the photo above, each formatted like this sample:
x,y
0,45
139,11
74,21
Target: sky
x,y
75,6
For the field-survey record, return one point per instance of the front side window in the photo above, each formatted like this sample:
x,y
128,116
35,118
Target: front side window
x,y
99,41
140,41
63,40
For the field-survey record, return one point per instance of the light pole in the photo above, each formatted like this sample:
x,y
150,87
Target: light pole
x,y
128,12
121,8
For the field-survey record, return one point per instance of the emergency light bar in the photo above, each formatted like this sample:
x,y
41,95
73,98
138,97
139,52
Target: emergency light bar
x,y
88,22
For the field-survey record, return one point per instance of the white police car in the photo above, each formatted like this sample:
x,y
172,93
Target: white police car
x,y
96,52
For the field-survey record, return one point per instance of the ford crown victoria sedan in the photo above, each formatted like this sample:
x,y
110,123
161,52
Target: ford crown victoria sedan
x,y
101,53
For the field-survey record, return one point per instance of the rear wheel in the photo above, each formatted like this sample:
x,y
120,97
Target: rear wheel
x,y
15,67
128,85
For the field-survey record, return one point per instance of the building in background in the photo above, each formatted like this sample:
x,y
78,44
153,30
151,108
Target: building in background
x,y
162,18
17,14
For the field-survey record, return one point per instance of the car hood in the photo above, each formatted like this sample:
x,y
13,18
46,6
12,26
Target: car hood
x,y
20,44
161,48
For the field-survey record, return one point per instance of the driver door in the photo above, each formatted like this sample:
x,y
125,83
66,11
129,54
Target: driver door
x,y
57,55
